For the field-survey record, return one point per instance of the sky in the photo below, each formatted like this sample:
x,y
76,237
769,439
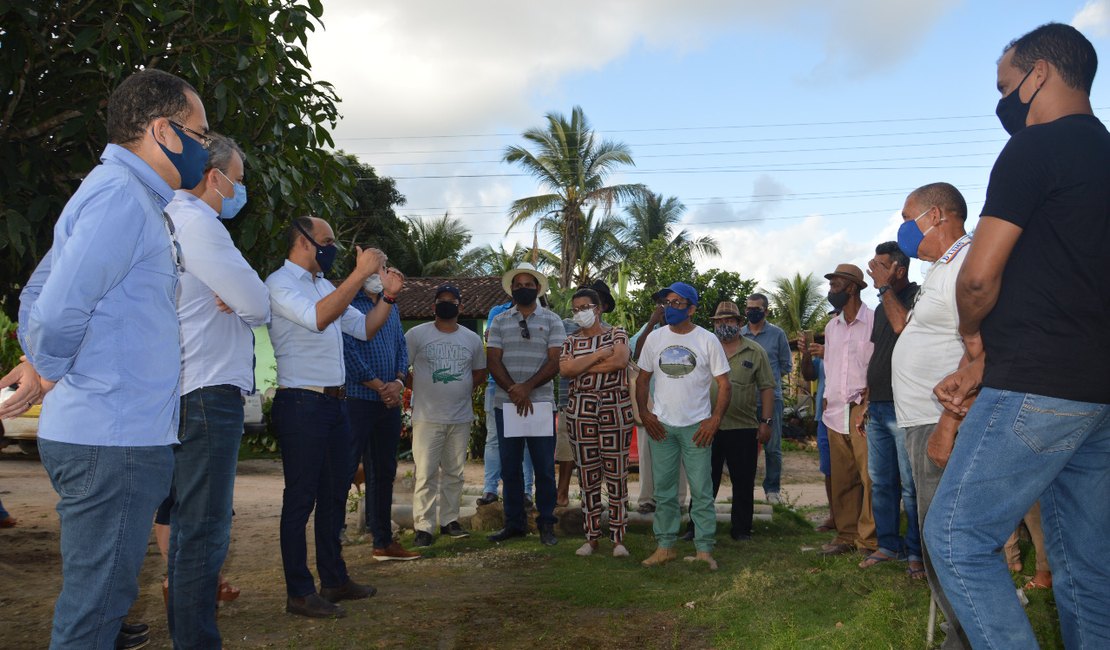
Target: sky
x,y
792,131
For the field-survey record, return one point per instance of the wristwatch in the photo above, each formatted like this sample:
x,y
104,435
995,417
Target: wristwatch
x,y
883,289
767,421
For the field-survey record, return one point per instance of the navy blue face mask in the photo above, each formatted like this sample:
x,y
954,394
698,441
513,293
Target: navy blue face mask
x,y
190,163
325,255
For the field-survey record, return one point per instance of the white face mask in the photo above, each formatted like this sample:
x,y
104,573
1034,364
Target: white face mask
x,y
374,284
584,318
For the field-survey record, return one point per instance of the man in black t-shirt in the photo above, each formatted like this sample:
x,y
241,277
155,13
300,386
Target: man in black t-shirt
x,y
1034,303
888,462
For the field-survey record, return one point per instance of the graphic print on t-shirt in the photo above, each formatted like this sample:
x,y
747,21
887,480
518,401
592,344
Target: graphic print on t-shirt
x,y
448,361
677,361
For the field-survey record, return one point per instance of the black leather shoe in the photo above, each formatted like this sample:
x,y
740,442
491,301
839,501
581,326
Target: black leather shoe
x,y
134,628
506,534
689,535
423,538
486,499
132,641
350,591
313,606
741,537
547,535
454,530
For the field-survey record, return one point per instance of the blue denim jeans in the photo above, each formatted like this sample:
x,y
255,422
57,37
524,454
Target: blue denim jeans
x,y
107,498
772,451
376,429
491,458
1013,449
888,464
315,441
542,451
200,521
824,457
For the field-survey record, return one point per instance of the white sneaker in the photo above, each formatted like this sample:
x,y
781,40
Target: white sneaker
x,y
584,550
773,498
620,551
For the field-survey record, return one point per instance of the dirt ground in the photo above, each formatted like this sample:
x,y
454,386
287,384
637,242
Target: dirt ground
x,y
482,597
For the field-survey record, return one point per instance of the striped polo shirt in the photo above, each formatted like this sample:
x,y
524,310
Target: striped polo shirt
x,y
523,357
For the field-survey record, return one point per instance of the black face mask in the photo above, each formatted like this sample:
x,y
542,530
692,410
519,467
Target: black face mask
x,y
838,300
446,310
524,296
755,315
1011,111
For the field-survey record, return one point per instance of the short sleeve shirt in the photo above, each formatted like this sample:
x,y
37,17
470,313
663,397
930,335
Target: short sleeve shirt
x,y
1047,332
749,371
524,349
682,366
442,367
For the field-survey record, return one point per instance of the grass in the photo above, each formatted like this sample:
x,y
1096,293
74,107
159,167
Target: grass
x,y
773,592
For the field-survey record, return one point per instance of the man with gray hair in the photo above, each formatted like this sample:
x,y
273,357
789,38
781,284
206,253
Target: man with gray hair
x,y
221,299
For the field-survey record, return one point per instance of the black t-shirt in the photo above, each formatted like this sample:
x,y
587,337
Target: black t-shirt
x,y
1049,333
884,338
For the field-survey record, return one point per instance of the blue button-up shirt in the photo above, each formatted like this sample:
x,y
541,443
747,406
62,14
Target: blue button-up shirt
x,y
99,314
216,348
773,341
307,356
385,357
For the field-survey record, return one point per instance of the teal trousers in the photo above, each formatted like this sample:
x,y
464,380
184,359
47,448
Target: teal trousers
x,y
665,457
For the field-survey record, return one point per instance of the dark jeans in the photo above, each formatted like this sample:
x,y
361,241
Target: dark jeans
x,y
200,520
740,449
376,431
542,452
106,499
315,443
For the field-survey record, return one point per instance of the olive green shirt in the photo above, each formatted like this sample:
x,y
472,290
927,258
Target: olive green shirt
x,y
749,371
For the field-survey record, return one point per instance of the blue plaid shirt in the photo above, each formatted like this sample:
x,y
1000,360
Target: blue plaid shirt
x,y
383,357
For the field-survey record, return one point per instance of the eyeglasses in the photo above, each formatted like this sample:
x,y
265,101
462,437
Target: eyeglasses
x,y
677,304
524,333
579,310
175,249
205,141
447,302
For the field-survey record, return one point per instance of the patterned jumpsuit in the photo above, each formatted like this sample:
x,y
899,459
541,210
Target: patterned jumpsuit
x,y
599,417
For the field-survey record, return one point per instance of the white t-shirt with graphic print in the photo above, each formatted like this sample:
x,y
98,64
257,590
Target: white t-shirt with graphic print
x,y
682,367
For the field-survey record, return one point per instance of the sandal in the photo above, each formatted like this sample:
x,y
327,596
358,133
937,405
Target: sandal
x,y
1033,585
226,592
916,570
875,558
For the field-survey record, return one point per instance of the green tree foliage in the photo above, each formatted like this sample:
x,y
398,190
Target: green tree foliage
x,y
436,248
649,217
797,304
498,261
62,58
572,166
657,265
600,251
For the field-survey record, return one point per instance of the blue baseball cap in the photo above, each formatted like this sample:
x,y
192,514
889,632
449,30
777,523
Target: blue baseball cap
x,y
687,292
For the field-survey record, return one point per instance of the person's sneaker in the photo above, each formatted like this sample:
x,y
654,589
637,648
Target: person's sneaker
x,y
423,538
741,537
350,591
454,530
585,549
773,498
132,636
486,499
134,628
547,535
506,534
313,606
646,508
620,551
394,552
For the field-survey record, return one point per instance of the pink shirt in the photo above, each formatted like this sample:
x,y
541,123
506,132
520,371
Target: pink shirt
x,y
848,350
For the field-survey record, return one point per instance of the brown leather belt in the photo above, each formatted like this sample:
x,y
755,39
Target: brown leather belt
x,y
338,392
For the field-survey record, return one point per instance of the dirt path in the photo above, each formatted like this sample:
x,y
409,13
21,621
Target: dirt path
x,y
459,598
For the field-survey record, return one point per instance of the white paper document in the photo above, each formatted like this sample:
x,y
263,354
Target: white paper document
x,y
538,424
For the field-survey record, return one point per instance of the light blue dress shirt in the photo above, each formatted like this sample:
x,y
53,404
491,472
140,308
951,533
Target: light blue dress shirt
x,y
216,348
307,356
773,341
99,314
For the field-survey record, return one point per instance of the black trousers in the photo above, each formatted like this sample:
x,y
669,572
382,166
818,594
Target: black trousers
x,y
740,449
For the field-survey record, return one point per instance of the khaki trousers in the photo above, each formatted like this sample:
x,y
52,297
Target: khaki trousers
x,y
851,488
439,452
1032,521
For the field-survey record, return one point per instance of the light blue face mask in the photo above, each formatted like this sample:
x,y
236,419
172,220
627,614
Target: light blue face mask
x,y
234,203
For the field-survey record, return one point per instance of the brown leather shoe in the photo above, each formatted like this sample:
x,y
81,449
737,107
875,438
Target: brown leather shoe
x,y
350,591
313,606
837,549
660,556
394,552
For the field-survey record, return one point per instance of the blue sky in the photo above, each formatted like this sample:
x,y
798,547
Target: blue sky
x,y
792,133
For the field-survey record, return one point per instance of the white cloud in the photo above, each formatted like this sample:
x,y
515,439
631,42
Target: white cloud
x,y
1093,18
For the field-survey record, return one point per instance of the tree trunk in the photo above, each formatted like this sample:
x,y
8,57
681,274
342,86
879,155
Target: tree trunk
x,y
572,235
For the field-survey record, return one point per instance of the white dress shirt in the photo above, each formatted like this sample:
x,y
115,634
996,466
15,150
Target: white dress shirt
x,y
216,348
305,355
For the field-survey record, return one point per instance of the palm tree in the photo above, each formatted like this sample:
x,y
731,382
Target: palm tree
x,y
572,166
798,304
650,217
600,252
498,261
434,247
